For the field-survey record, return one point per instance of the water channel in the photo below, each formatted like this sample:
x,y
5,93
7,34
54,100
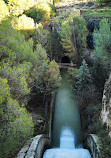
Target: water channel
x,y
66,134
66,112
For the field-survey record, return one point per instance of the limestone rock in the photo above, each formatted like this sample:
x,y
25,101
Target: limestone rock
x,y
106,105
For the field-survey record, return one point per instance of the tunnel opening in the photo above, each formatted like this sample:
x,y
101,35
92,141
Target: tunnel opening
x,y
65,59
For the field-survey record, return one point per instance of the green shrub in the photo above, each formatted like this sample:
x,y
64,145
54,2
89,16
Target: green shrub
x,y
18,7
53,9
73,72
4,11
102,40
83,77
25,25
37,14
16,124
103,2
40,11
52,77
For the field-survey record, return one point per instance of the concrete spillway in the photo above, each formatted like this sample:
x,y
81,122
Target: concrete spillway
x,y
67,147
66,134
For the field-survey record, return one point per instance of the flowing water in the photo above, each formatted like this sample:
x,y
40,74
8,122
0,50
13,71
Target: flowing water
x,y
66,134
66,112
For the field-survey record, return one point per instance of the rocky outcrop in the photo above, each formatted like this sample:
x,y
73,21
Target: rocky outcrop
x,y
106,102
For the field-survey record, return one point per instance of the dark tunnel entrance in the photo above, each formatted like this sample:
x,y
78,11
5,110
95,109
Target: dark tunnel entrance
x,y
65,59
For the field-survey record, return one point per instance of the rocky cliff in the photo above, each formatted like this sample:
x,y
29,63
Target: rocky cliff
x,y
106,102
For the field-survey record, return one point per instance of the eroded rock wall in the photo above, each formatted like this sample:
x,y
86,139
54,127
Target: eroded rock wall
x,y
106,105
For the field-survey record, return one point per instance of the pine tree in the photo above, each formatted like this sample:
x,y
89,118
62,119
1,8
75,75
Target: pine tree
x,y
84,77
102,40
73,36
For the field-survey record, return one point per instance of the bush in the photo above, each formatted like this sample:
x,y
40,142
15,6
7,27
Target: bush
x,y
40,12
84,77
25,25
73,72
18,7
103,2
4,11
16,124
102,40
53,9
37,14
52,77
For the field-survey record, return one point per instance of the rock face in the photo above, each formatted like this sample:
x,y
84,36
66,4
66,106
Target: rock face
x,y
106,102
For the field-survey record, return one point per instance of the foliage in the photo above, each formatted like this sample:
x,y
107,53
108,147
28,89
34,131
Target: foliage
x,y
39,68
4,90
25,25
55,47
97,13
73,36
15,123
20,67
17,80
6,1
13,44
103,2
52,76
40,36
37,14
4,12
53,9
40,11
84,77
72,73
44,6
99,75
66,38
102,39
15,64
17,7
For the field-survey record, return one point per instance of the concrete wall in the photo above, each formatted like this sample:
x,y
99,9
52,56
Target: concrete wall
x,y
94,145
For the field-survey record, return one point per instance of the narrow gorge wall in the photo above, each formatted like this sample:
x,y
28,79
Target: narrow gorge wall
x,y
106,102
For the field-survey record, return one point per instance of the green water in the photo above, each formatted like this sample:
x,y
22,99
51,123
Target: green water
x,y
66,112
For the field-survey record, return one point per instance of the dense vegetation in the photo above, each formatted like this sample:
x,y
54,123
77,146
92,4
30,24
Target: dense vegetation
x,y
73,36
88,82
27,65
103,2
24,68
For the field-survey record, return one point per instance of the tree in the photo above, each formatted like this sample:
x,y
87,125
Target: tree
x,y
73,36
38,71
20,66
17,7
14,46
102,40
4,11
52,77
25,25
15,123
55,49
103,2
40,11
40,36
87,93
84,77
